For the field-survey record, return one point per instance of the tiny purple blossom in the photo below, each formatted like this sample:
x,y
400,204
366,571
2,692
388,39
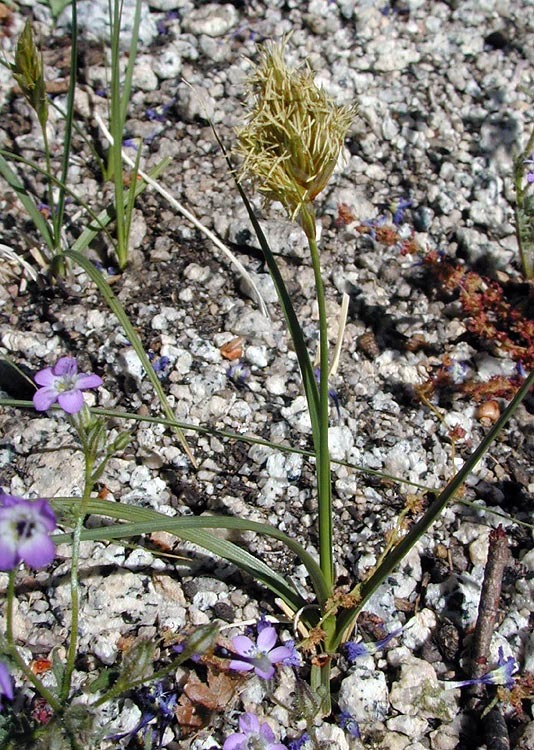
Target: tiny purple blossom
x,y
6,684
253,736
294,659
155,703
260,656
332,393
24,532
347,722
354,650
63,383
299,743
399,209
500,675
238,373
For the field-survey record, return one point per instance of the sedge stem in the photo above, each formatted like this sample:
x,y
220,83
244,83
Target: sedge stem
x,y
323,458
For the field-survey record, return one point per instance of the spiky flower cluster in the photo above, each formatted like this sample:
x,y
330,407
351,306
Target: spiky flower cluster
x,y
294,134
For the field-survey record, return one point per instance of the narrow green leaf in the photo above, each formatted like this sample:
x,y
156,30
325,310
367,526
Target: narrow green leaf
x,y
108,214
35,215
132,335
369,586
295,330
195,529
69,119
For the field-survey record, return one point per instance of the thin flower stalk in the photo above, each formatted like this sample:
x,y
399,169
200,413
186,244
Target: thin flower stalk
x,y
74,587
13,651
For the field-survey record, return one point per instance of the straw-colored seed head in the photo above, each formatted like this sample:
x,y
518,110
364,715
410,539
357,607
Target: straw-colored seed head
x,y
294,133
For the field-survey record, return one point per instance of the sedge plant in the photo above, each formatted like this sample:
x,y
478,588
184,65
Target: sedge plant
x,y
290,145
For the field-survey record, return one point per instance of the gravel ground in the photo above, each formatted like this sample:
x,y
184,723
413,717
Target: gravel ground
x,y
444,95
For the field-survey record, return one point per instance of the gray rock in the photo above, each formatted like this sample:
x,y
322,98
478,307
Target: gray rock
x,y
93,21
211,19
364,694
418,693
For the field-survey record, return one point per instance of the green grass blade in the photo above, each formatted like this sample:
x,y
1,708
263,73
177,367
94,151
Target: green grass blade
x,y
69,118
369,586
306,368
131,195
108,214
128,74
132,336
228,434
98,222
196,530
33,212
117,129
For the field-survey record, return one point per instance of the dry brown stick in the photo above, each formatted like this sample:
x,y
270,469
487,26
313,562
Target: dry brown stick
x,y
498,556
493,724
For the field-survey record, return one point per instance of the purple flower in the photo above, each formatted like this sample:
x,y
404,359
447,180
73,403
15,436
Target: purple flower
x,y
332,393
293,660
354,650
238,374
260,656
155,703
349,724
63,384
457,371
399,209
299,743
253,735
24,529
501,675
6,684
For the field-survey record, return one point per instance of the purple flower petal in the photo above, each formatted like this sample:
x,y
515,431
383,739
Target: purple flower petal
x,y
266,732
44,398
65,366
266,639
241,666
6,683
47,515
279,654
243,646
45,377
89,380
8,553
236,742
264,672
37,552
249,723
71,401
